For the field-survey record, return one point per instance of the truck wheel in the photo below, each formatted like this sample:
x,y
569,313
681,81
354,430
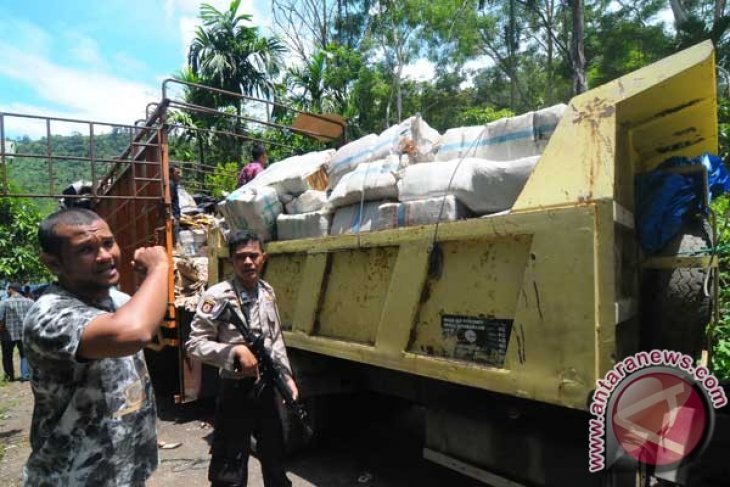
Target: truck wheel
x,y
675,306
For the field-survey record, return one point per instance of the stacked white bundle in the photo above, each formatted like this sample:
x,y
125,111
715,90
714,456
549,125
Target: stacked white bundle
x,y
254,208
349,219
349,156
377,180
420,212
305,225
463,142
511,138
307,202
412,136
295,175
483,186
546,121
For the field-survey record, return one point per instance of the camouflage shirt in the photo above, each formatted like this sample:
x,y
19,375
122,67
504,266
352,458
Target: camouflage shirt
x,y
93,420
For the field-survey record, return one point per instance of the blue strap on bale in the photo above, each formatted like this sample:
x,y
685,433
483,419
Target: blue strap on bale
x,y
664,198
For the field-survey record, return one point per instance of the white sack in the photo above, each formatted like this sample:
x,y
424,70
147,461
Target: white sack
x,y
256,209
412,136
483,186
307,202
421,212
511,138
378,180
347,219
463,142
296,174
546,120
349,156
187,202
305,225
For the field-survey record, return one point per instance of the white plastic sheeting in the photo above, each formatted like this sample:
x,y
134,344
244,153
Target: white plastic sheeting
x,y
377,180
420,212
349,156
304,225
256,209
295,175
484,186
349,219
307,202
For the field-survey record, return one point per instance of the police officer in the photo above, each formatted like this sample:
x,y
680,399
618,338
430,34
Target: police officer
x,y
244,406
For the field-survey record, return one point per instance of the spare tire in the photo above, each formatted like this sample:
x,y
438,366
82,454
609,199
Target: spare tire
x,y
675,307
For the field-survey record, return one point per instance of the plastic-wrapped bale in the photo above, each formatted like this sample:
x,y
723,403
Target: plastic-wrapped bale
x,y
256,209
483,186
349,156
421,212
511,138
378,180
412,136
348,219
307,202
305,225
296,174
546,120
463,142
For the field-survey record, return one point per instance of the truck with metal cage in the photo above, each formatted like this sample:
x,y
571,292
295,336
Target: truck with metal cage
x,y
498,327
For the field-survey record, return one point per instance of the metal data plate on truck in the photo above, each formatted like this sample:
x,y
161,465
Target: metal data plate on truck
x,y
537,303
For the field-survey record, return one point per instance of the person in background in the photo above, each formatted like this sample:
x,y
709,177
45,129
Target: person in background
x,y
255,167
12,312
242,409
94,412
175,176
27,292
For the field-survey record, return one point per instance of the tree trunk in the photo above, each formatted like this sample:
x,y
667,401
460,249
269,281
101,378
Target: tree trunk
x,y
549,8
512,44
577,55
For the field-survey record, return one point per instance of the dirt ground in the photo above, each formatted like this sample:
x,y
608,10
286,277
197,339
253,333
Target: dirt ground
x,y
369,456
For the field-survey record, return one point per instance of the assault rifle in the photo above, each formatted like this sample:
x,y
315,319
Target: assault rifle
x,y
223,311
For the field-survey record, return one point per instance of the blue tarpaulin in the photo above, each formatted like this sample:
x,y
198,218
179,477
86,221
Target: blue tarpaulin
x,y
664,198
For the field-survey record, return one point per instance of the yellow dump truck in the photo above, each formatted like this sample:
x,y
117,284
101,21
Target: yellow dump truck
x,y
500,326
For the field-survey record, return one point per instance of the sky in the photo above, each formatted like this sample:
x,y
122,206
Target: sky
x,y
94,60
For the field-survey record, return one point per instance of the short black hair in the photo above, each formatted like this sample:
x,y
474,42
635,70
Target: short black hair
x,y
257,151
50,242
15,287
173,168
243,237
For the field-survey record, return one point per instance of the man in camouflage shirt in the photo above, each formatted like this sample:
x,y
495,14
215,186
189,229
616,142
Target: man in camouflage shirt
x,y
240,410
94,413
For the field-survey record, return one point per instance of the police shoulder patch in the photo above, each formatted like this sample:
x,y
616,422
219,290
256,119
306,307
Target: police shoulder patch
x,y
208,305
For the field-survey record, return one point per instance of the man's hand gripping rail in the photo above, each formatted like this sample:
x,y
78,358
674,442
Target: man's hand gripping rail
x,y
223,311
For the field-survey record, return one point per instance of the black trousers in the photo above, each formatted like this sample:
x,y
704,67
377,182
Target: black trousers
x,y
241,412
8,346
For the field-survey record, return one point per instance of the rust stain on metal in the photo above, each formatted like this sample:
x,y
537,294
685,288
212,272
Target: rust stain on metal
x,y
537,299
520,336
688,130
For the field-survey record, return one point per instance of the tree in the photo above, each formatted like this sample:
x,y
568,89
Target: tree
x,y
307,26
230,55
19,248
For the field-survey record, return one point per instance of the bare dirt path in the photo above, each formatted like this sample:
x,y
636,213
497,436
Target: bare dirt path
x,y
368,456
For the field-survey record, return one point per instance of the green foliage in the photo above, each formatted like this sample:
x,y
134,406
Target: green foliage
x,y
482,115
19,249
223,179
721,335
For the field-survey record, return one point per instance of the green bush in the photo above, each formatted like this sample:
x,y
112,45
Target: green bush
x,y
721,335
